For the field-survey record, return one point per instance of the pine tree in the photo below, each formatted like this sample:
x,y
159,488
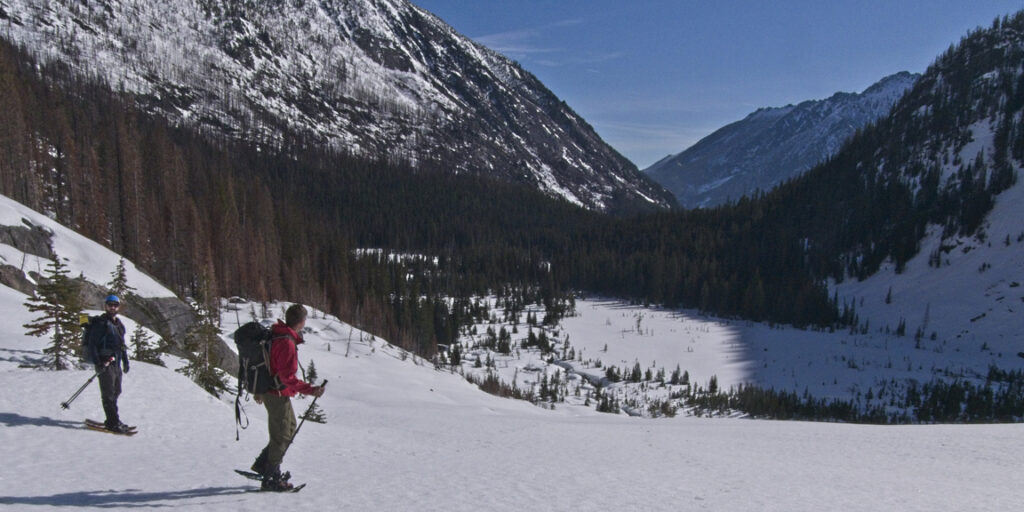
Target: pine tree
x,y
315,414
59,300
146,350
456,356
202,359
636,375
200,346
118,284
311,375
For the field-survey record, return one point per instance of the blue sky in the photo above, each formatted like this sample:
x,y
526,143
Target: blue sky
x,y
655,76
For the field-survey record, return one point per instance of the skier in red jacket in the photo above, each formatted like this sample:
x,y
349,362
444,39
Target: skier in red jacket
x,y
284,362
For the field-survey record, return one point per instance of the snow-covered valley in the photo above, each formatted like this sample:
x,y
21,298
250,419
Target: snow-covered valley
x,y
403,435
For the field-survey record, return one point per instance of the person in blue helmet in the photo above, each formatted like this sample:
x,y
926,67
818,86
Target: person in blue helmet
x,y
105,348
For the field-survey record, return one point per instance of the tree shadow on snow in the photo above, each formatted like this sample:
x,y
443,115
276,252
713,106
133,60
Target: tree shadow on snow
x,y
22,357
10,419
130,498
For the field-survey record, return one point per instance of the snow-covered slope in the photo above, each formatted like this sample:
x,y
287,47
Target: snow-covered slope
x,y
84,257
403,436
772,145
381,78
959,293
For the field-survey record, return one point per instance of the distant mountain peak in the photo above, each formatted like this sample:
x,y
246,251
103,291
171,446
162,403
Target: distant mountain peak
x,y
773,144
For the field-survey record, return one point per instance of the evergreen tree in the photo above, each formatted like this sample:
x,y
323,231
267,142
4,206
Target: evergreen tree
x,y
146,350
59,300
315,414
201,343
456,355
543,343
118,284
637,374
311,375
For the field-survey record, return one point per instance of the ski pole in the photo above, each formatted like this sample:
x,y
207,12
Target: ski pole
x,y
308,410
67,404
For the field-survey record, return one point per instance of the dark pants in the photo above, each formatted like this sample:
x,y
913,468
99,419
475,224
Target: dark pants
x,y
110,389
281,424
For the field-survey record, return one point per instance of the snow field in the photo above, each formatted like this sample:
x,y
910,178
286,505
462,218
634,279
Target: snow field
x,y
401,436
840,364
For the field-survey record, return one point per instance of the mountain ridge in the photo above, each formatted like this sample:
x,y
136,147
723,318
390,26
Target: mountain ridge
x,y
377,78
772,144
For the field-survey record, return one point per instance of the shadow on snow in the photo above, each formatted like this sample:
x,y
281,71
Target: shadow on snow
x,y
128,498
10,419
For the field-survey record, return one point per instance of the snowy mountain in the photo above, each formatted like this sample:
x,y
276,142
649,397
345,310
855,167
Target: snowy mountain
x,y
380,78
772,145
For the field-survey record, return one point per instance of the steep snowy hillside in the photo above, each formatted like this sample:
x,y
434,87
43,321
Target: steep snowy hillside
x,y
380,78
21,255
960,292
772,145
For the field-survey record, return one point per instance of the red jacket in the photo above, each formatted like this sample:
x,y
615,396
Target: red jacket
x,y
284,361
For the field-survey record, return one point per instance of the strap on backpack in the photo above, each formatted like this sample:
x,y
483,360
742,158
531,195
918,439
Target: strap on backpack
x,y
239,410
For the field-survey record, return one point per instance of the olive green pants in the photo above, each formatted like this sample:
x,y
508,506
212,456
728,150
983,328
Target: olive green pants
x,y
281,424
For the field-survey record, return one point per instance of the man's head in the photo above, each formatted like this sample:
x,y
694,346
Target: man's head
x,y
295,317
112,305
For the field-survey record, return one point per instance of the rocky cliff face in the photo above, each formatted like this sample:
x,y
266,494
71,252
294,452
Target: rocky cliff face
x,y
772,145
380,78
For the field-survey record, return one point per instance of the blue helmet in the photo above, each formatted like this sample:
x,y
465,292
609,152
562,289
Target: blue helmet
x,y
112,299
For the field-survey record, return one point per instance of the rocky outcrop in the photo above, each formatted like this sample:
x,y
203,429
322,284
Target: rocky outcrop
x,y
29,239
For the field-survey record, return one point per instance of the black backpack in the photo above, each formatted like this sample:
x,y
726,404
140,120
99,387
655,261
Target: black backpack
x,y
92,332
253,342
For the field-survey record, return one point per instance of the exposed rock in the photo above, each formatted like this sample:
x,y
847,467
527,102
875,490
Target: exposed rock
x,y
13,277
29,239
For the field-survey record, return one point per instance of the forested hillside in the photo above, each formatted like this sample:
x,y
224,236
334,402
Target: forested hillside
x,y
929,162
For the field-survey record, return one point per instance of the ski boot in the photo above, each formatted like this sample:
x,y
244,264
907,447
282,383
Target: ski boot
x,y
260,466
118,427
274,481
